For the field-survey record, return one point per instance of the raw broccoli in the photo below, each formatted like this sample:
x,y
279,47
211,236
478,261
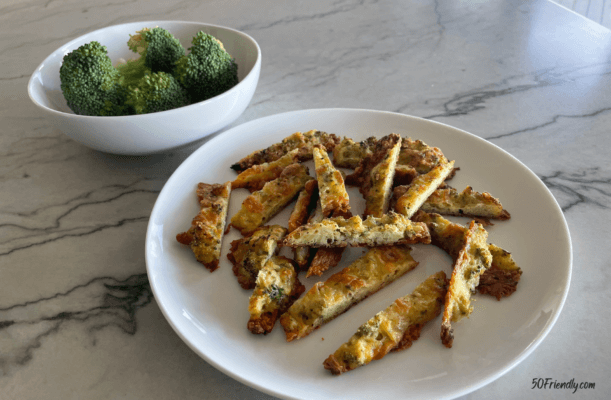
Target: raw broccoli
x,y
156,92
208,70
158,47
90,82
131,71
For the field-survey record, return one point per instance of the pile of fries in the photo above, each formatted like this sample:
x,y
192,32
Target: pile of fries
x,y
405,186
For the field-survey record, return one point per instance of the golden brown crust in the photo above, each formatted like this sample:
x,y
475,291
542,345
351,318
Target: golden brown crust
x,y
326,300
255,177
334,201
263,324
503,276
419,155
412,334
331,189
393,329
445,234
261,206
298,140
325,259
375,174
306,202
414,154
276,289
390,229
248,255
348,153
473,259
208,227
421,188
467,203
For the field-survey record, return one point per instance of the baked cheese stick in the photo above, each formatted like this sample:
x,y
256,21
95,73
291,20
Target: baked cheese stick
x,y
421,188
306,201
277,287
326,300
207,228
334,202
255,177
420,156
298,140
248,255
503,276
415,155
391,228
348,153
305,204
468,203
261,206
333,196
473,259
376,173
393,329
444,233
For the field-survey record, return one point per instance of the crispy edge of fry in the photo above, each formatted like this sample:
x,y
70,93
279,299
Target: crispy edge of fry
x,y
503,276
420,156
213,199
421,188
334,201
348,153
255,177
404,175
397,258
406,316
331,189
297,140
257,208
306,201
244,269
376,174
461,287
324,260
360,231
467,203
264,322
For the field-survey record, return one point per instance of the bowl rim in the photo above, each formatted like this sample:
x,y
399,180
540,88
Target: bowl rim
x,y
36,72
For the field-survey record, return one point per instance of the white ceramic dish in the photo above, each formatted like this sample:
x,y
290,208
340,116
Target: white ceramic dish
x,y
209,310
148,133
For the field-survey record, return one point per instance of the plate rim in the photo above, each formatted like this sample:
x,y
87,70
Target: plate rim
x,y
452,393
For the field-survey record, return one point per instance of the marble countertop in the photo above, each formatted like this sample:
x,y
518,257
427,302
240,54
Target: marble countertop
x,y
77,316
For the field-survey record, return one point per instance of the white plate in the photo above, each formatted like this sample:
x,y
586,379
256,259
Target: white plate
x,y
209,310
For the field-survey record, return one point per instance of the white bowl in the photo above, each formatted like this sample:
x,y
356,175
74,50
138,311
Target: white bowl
x,y
148,133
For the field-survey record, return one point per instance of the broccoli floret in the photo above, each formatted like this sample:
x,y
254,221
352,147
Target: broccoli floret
x,y
156,92
208,70
131,71
158,47
90,82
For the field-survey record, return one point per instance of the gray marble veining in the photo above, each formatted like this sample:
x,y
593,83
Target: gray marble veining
x,y
77,317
